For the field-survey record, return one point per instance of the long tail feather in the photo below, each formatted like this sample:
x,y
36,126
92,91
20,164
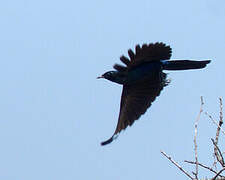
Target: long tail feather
x,y
184,64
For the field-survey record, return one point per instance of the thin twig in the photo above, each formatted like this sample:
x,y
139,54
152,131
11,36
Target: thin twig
x,y
221,112
204,166
195,138
216,156
214,121
214,162
220,122
177,165
214,178
218,153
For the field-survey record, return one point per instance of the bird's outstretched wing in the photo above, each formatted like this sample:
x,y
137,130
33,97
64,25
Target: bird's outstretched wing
x,y
145,53
136,99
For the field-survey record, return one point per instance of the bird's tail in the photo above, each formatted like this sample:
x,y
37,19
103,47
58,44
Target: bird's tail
x,y
184,64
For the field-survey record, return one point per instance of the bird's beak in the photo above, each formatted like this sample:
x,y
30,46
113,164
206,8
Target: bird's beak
x,y
100,77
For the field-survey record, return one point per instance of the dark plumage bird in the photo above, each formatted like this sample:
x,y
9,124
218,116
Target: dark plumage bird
x,y
143,80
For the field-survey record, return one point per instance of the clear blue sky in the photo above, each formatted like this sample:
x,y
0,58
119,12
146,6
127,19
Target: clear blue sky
x,y
54,112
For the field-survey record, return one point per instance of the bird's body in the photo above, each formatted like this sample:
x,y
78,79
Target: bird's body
x,y
143,70
130,77
143,79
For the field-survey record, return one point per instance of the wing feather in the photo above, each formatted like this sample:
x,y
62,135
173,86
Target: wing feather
x,y
131,54
145,53
119,67
125,60
136,99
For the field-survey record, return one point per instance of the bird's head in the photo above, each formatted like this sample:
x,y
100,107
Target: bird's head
x,y
110,75
113,76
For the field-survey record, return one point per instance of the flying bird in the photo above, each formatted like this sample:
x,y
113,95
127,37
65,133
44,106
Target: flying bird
x,y
143,79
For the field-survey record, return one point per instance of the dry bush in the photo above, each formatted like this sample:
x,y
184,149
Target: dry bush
x,y
217,172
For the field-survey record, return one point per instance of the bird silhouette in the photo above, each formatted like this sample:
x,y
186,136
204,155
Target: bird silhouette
x,y
143,80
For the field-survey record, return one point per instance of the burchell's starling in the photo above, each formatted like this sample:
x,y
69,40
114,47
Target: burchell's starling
x,y
142,79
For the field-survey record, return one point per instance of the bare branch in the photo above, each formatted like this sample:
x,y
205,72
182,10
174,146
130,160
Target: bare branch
x,y
220,122
221,111
218,154
204,166
214,121
214,178
195,138
177,165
